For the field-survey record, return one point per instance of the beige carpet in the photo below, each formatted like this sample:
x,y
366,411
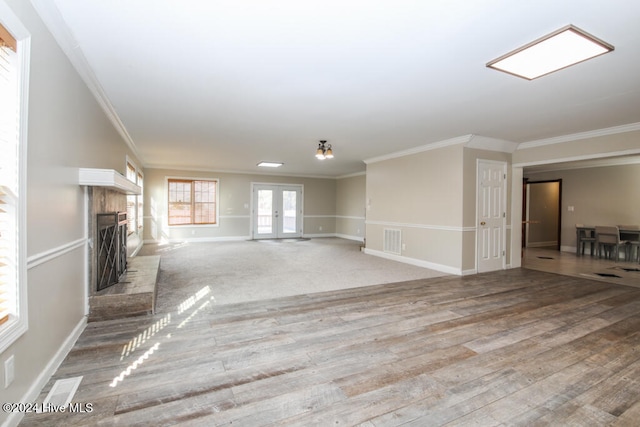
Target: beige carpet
x,y
239,271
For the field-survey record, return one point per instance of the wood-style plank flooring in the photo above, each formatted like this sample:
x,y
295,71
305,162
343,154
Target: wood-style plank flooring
x,y
515,347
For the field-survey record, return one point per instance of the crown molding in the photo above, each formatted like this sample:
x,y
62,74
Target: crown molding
x,y
54,21
234,172
470,141
352,175
433,146
618,158
581,135
491,144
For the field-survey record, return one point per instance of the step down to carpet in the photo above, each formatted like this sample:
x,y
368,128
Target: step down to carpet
x,y
135,295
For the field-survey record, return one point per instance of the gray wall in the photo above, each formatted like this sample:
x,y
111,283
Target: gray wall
x,y
422,196
598,196
235,203
543,213
67,130
431,197
350,207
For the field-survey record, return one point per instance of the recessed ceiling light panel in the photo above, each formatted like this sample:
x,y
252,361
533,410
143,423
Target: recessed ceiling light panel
x,y
270,164
560,49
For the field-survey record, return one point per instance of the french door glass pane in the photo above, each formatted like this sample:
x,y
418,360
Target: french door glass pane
x,y
265,209
289,211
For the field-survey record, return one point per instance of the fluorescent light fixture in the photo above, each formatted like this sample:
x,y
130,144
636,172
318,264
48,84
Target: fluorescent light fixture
x,y
270,164
560,49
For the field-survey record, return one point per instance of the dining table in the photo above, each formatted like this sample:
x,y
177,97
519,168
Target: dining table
x,y
590,231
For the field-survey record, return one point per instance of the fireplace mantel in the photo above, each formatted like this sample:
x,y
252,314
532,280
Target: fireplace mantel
x,y
108,178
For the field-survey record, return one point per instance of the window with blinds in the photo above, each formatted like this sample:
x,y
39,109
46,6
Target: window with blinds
x,y
192,201
135,204
131,200
140,203
13,74
8,175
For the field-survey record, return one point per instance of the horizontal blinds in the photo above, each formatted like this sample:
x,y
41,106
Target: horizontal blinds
x,y
7,40
7,255
8,175
140,201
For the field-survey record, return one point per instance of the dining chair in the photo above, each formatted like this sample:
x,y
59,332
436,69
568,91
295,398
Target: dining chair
x,y
632,249
608,240
584,237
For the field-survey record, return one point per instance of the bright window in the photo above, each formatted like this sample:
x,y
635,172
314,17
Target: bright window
x,y
192,201
14,66
140,203
131,200
134,202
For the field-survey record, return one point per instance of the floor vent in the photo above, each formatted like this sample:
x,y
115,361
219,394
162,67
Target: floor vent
x,y
392,241
62,392
608,275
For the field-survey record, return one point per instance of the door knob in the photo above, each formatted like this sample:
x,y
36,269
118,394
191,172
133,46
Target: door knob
x,y
483,223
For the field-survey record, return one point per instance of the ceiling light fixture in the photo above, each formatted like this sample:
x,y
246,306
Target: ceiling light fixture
x,y
562,48
324,151
270,164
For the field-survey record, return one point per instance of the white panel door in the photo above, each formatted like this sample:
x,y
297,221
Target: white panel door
x,y
277,211
491,215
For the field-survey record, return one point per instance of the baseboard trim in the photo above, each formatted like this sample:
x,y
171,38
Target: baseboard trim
x,y
417,262
542,244
45,375
198,240
350,237
241,238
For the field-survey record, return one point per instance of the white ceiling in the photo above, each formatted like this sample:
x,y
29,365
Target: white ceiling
x,y
222,85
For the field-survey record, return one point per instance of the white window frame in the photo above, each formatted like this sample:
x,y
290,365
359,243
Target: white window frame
x,y
140,203
18,324
190,178
138,220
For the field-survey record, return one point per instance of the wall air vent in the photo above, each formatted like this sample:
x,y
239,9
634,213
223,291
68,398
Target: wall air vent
x,y
392,241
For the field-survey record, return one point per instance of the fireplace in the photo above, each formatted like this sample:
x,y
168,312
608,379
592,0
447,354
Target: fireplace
x,y
111,262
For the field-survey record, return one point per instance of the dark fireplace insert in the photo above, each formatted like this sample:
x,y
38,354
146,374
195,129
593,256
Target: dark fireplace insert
x,y
112,248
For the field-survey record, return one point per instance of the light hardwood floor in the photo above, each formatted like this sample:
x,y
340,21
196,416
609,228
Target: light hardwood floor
x,y
567,263
515,347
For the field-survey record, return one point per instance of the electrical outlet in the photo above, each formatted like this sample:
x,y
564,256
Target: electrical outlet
x,y
320,228
9,371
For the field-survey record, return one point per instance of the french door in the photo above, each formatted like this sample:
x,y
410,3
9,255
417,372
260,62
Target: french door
x,y
277,211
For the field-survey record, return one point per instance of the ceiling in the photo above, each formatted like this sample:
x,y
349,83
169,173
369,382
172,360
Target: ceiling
x,y
222,85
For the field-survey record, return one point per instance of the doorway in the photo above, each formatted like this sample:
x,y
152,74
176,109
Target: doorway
x,y
542,214
277,211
